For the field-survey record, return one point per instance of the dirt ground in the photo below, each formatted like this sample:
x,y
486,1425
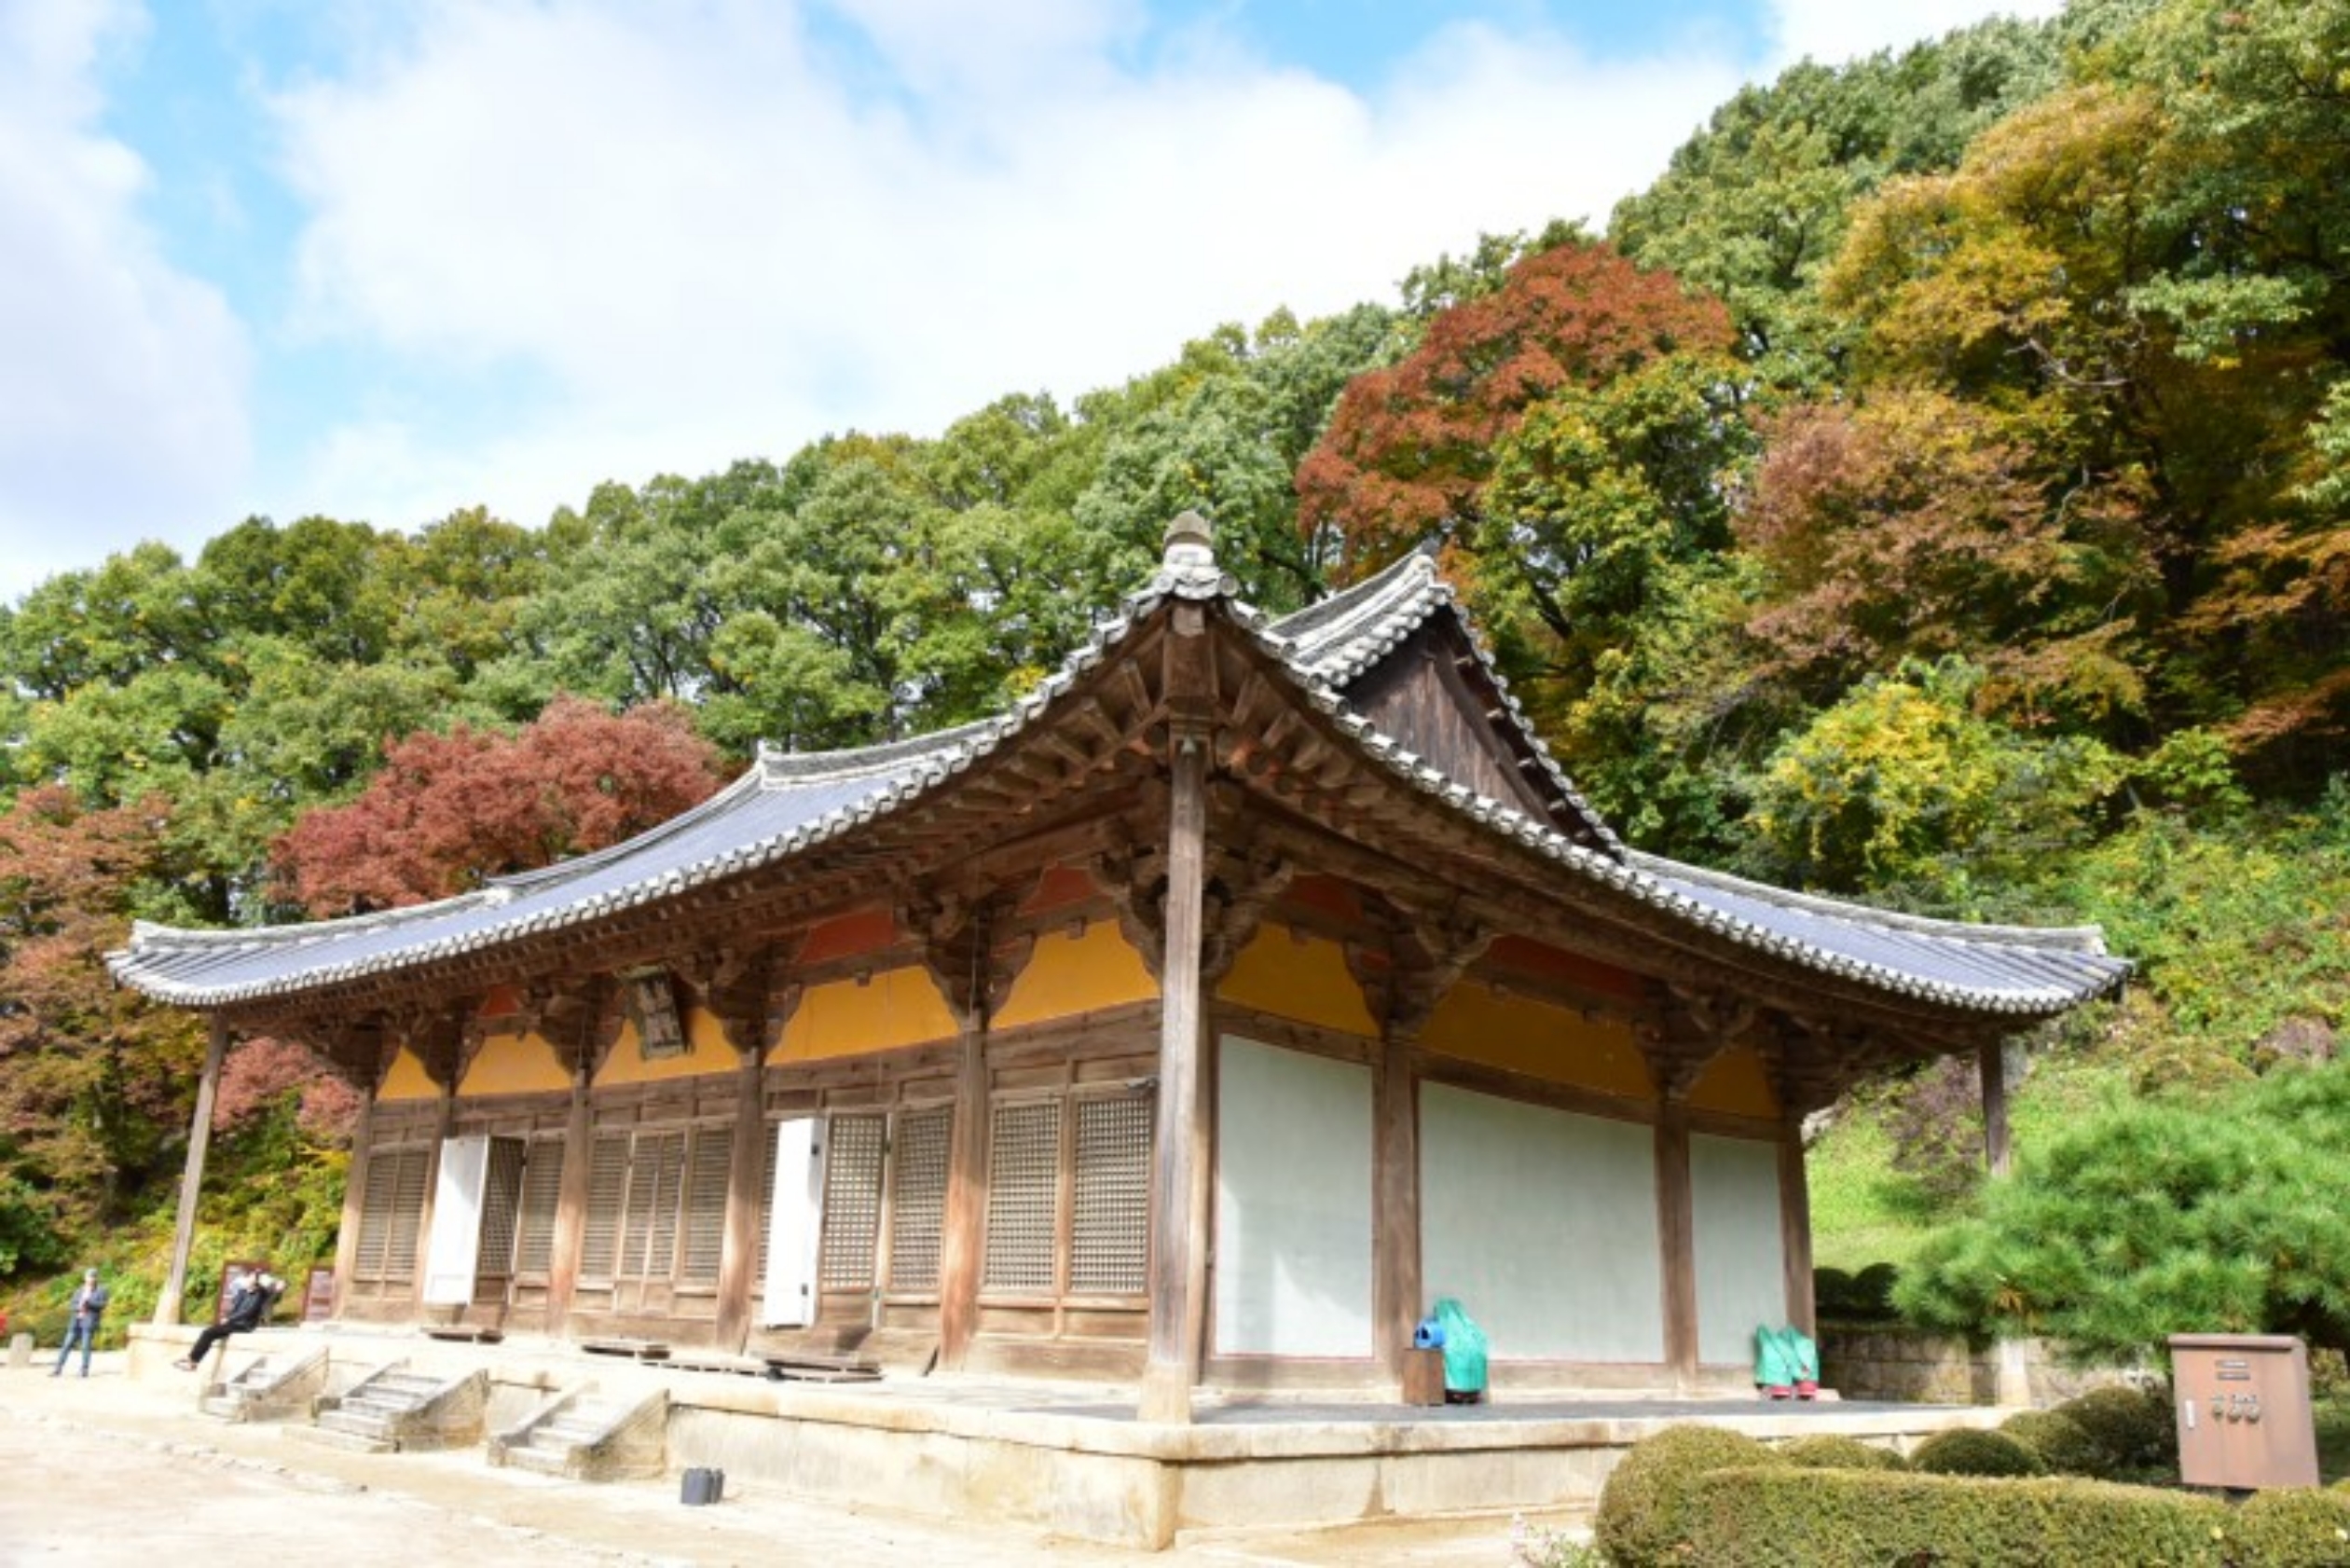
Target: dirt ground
x,y
109,1473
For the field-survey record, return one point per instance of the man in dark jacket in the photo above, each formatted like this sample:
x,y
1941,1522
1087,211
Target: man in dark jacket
x,y
249,1304
89,1306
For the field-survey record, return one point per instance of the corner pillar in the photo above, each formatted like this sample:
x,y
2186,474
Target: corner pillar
x,y
200,1137
2012,1381
1179,1186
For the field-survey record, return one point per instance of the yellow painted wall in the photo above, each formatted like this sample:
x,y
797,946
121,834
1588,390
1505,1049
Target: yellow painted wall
x,y
1068,975
1306,981
406,1081
706,1051
1538,1038
842,1018
510,1064
1735,1084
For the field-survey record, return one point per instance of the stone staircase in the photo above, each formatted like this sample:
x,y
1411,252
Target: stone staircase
x,y
585,1435
268,1388
394,1409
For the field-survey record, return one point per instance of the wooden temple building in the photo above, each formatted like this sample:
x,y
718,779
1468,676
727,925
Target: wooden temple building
x,y
1198,1022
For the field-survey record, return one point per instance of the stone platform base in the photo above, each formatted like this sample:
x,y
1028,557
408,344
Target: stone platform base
x,y
1073,1461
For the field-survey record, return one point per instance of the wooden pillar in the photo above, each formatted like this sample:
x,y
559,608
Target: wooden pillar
x,y
200,1137
2014,1386
962,1244
739,1252
1396,1303
1677,1236
1794,1225
1179,1186
1990,1063
362,1135
571,1204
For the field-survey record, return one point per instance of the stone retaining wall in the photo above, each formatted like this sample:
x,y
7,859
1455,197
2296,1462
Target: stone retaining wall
x,y
1904,1363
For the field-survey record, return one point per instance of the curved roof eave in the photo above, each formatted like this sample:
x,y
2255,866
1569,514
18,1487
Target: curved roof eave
x,y
1995,970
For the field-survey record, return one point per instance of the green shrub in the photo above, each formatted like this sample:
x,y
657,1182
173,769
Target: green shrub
x,y
2293,1527
1640,1519
2061,1444
1866,1297
1781,1516
1966,1453
2134,1428
1831,1451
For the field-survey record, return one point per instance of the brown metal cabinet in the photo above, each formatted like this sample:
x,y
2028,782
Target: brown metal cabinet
x,y
2244,1415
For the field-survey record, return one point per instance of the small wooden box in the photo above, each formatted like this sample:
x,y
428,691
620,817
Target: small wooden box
x,y
1423,1377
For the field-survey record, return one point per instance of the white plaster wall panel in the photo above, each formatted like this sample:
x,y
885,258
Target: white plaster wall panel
x,y
1742,1259
1543,1224
1293,1204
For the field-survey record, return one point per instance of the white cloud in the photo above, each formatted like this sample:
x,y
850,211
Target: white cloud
x,y
715,248
121,381
1834,30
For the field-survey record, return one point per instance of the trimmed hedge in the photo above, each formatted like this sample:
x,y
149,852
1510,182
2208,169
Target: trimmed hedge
x,y
1832,1450
2134,1429
2293,1528
1961,1452
1640,1519
1781,1516
2060,1443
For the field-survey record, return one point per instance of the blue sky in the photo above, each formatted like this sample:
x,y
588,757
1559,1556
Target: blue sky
x,y
387,261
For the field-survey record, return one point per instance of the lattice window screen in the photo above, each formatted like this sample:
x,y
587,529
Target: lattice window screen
x,y
378,1206
766,1208
542,1190
1109,1225
706,1205
607,1189
852,1199
917,1197
1024,1188
407,1212
656,1181
501,1208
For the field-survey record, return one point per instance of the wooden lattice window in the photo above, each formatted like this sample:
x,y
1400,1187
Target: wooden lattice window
x,y
706,1203
854,1147
1109,1224
607,1189
541,1191
390,1210
648,1231
917,1197
766,1211
1024,1197
501,1208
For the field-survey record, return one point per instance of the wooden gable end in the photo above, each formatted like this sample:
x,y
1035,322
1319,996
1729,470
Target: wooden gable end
x,y
1431,694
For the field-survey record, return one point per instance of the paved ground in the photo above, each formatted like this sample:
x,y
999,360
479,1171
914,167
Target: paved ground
x,y
110,1473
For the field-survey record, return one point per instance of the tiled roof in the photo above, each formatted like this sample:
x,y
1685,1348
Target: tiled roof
x,y
788,804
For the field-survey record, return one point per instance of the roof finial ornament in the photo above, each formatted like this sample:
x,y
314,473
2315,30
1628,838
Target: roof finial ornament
x,y
1190,542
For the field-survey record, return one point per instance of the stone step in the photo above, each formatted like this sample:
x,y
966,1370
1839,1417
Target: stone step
x,y
356,1424
225,1406
333,1437
547,1462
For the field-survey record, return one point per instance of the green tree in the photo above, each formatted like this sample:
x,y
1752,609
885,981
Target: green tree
x,y
2159,1218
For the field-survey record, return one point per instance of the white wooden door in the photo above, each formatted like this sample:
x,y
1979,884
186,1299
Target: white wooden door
x,y
454,1248
795,1224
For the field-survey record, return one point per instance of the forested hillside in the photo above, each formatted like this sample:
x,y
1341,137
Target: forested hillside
x,y
1935,487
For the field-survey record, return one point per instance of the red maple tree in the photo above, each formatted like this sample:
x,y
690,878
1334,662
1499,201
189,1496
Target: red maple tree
x,y
1409,447
451,810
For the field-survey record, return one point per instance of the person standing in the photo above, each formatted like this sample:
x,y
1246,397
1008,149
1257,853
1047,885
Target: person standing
x,y
90,1307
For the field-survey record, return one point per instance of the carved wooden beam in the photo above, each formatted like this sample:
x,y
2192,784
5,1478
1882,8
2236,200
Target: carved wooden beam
x,y
435,1035
1430,944
579,1017
958,936
1244,876
731,984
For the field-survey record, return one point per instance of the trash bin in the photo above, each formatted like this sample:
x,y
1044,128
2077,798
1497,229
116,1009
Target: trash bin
x,y
702,1485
